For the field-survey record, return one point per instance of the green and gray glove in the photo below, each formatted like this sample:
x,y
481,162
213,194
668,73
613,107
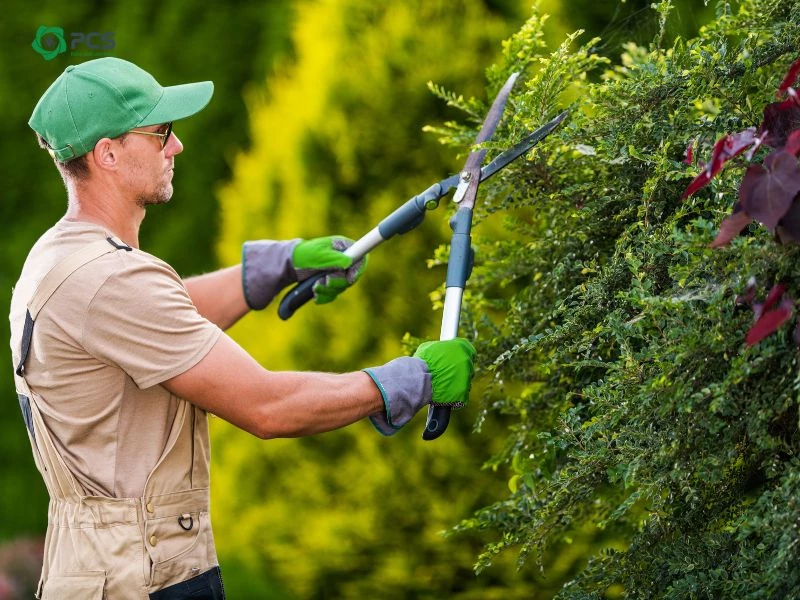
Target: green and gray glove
x,y
269,266
326,254
439,373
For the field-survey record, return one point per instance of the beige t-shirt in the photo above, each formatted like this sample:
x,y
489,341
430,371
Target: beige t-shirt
x,y
117,328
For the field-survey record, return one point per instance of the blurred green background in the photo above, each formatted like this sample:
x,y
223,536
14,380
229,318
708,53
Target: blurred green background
x,y
316,127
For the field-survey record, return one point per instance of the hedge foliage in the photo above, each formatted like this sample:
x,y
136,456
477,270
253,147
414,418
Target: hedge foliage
x,y
608,331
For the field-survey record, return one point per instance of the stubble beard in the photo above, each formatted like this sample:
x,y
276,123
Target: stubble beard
x,y
160,196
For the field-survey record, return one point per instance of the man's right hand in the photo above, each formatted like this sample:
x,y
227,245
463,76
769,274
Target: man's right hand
x,y
450,363
440,373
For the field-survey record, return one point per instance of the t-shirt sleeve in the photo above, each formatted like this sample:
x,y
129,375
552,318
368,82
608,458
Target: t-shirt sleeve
x,y
143,321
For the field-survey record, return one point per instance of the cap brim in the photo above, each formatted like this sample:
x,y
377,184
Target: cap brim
x,y
179,102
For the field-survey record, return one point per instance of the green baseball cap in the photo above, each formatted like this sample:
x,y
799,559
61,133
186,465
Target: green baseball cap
x,y
106,97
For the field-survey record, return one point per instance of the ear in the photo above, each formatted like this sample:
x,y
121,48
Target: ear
x,y
105,154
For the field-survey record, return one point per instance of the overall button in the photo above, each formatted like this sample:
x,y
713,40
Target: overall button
x,y
150,508
153,540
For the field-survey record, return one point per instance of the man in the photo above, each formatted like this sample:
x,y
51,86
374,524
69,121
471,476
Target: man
x,y
118,360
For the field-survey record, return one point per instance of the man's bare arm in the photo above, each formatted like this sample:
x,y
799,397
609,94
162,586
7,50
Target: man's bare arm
x,y
229,383
219,296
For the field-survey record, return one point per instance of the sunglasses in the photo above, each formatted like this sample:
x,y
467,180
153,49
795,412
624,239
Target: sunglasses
x,y
164,136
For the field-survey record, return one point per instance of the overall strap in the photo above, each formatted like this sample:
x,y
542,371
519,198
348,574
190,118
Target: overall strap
x,y
60,482
53,280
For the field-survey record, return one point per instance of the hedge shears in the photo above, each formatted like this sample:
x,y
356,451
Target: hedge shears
x,y
411,214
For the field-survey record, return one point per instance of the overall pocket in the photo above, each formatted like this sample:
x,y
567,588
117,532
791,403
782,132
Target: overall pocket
x,y
180,553
86,585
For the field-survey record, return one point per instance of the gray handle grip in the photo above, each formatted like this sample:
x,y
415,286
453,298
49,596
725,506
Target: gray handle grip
x,y
438,419
297,296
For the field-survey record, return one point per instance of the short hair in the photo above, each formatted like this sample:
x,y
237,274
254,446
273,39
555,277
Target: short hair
x,y
75,169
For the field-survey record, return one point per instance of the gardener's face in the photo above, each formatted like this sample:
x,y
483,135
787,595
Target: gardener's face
x,y
149,165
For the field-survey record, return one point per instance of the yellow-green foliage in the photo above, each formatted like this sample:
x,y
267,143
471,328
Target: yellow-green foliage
x,y
338,144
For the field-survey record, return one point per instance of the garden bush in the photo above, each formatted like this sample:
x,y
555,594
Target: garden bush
x,y
612,336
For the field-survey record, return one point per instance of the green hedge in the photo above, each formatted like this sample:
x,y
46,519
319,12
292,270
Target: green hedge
x,y
609,333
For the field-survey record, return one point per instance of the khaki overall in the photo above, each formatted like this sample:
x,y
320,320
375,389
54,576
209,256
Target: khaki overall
x,y
119,548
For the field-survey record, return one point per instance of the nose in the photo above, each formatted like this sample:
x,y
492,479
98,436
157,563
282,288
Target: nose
x,y
174,145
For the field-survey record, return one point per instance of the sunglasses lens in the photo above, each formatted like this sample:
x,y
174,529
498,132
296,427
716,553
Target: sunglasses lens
x,y
166,137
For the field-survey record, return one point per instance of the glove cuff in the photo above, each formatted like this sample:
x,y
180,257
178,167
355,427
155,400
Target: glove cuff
x,y
266,270
405,384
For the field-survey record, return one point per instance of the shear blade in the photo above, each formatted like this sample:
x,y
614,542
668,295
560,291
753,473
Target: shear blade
x,y
461,190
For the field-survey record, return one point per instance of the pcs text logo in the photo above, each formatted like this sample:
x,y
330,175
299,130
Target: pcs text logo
x,y
50,42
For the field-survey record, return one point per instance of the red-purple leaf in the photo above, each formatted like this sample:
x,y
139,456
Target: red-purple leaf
x,y
730,227
756,145
775,294
790,78
767,192
793,143
697,183
758,309
689,156
731,145
788,228
769,322
726,148
780,119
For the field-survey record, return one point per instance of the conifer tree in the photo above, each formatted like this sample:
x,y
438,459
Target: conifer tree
x,y
338,144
